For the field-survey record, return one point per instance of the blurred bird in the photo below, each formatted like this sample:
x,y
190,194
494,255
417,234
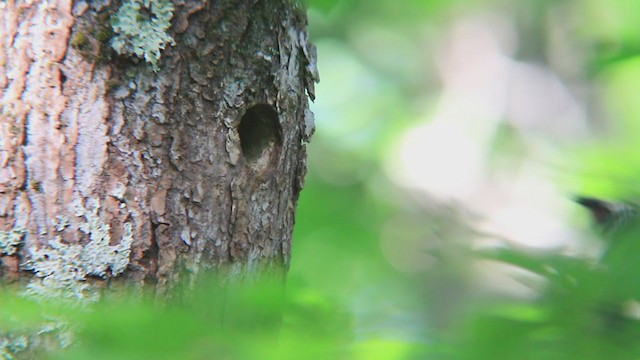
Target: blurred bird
x,y
611,217
619,224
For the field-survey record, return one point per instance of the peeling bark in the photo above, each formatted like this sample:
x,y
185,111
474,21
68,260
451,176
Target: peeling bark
x,y
201,159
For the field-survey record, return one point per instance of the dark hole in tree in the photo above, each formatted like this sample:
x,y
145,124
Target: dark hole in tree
x,y
259,132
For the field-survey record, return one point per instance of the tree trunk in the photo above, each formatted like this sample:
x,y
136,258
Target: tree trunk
x,y
149,141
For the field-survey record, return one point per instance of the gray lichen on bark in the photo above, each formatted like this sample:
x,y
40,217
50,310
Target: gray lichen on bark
x,y
10,240
62,270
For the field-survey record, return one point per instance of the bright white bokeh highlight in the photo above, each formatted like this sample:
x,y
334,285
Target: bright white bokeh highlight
x,y
448,156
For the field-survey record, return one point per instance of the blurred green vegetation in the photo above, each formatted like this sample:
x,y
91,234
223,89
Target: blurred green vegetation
x,y
381,69
387,268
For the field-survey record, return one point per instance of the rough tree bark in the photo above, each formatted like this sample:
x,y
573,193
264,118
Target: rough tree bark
x,y
149,141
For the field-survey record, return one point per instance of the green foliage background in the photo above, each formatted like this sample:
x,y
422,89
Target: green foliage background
x,y
377,78
345,299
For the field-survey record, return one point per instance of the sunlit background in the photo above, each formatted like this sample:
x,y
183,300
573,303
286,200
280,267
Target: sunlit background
x,y
443,127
